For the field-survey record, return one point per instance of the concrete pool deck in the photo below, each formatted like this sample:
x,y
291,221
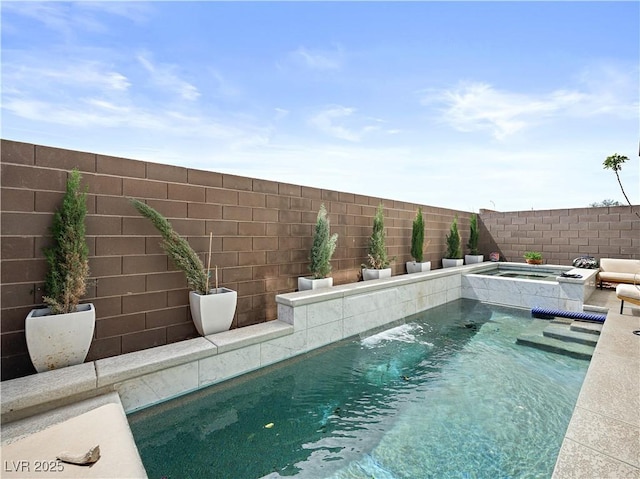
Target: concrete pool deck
x,y
603,438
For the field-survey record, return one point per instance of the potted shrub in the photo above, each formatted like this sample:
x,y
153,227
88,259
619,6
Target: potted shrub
x,y
324,244
212,307
453,256
533,257
417,246
473,256
377,260
60,334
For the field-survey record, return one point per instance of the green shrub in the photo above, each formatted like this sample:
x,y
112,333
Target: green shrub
x,y
377,256
68,256
324,245
454,250
473,235
417,237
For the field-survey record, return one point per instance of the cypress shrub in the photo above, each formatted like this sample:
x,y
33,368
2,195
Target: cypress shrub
x,y
377,256
473,235
417,237
68,256
324,245
454,250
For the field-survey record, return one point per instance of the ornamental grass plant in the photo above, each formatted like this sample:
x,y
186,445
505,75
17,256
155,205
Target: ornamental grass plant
x,y
177,248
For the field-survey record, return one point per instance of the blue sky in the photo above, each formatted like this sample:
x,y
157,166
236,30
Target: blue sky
x,y
465,105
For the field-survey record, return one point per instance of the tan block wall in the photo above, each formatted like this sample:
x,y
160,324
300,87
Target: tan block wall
x,y
262,235
564,234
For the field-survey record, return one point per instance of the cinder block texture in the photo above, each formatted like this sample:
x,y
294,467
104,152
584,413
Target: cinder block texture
x,y
262,233
562,235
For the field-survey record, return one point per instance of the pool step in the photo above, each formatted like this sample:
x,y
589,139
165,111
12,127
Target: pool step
x,y
566,333
563,336
575,350
586,327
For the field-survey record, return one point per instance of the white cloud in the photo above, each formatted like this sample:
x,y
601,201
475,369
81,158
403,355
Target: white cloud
x,y
280,113
319,59
67,18
344,123
164,76
478,106
80,75
325,121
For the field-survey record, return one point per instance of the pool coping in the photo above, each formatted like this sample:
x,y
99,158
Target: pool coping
x,y
35,398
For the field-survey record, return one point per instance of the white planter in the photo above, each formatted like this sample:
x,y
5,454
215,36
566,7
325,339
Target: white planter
x,y
369,274
305,284
213,313
473,258
450,263
415,267
59,340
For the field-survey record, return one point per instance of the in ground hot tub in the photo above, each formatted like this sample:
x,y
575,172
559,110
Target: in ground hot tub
x,y
530,286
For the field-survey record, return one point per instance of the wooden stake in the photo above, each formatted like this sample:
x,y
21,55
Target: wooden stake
x,y
216,278
209,264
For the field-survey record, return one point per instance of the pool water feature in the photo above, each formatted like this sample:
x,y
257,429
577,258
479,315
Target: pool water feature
x,y
447,393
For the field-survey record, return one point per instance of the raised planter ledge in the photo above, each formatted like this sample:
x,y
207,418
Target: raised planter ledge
x,y
302,298
30,395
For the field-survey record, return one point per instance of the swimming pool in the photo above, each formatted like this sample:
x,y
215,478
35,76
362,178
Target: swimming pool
x,y
448,393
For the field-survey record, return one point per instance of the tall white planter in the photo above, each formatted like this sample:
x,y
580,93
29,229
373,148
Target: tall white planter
x,y
369,274
58,340
213,313
473,258
305,284
451,262
415,267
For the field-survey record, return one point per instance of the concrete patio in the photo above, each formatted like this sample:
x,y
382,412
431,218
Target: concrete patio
x,y
603,437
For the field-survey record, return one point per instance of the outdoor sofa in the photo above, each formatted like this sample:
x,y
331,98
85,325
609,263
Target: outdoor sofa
x,y
619,271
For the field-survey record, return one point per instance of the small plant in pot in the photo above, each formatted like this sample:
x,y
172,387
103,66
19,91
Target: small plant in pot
x,y
453,256
417,246
324,245
212,307
473,256
533,257
377,259
60,334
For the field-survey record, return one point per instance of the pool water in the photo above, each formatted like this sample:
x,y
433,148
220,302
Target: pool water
x,y
447,394
542,275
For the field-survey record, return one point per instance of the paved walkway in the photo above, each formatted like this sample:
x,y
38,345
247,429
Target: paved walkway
x,y
603,437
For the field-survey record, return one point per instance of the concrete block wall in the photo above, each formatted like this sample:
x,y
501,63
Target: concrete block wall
x,y
564,234
262,235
